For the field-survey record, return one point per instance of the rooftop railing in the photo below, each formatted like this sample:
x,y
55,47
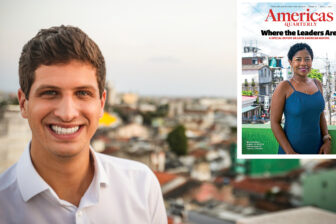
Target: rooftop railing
x,y
259,139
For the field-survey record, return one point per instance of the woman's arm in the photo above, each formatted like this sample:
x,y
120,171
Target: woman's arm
x,y
277,108
326,147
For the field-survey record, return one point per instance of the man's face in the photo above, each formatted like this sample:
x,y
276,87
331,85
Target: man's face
x,y
63,109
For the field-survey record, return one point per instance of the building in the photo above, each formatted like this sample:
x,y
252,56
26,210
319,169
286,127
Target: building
x,y
261,167
14,136
258,79
275,64
305,215
319,189
175,108
133,130
249,108
111,95
130,99
261,73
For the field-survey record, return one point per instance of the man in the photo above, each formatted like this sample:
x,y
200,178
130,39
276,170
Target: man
x,y
59,178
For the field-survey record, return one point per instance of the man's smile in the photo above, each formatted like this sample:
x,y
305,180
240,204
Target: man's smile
x,y
69,132
64,130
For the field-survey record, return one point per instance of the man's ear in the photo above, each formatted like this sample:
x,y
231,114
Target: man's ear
x,y
102,103
23,103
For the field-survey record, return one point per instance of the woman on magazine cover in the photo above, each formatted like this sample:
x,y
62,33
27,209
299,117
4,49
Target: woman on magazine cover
x,y
300,99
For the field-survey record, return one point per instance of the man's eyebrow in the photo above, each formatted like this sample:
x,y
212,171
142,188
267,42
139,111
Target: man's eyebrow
x,y
86,87
42,87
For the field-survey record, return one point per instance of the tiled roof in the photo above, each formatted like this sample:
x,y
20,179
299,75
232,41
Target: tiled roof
x,y
198,153
164,177
206,192
170,220
170,182
326,164
110,150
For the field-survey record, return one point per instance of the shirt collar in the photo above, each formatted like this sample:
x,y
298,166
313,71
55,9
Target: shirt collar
x,y
31,183
99,180
100,171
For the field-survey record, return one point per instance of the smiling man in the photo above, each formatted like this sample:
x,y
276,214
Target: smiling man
x,y
59,178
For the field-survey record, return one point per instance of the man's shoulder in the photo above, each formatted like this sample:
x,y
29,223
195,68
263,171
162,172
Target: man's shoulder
x,y
131,173
122,164
8,177
136,184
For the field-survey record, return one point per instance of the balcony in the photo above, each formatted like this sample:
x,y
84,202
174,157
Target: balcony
x,y
259,139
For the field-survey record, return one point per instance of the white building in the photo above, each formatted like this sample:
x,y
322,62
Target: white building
x,y
260,76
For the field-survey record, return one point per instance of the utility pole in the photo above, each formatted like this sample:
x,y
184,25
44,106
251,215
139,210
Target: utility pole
x,y
328,89
327,85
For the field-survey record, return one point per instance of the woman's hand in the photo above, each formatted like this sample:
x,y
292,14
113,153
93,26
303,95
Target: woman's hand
x,y
325,148
292,152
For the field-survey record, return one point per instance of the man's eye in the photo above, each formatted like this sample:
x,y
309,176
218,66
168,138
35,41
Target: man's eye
x,y
83,93
49,93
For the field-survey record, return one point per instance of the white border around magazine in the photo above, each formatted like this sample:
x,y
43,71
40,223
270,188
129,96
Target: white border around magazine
x,y
239,92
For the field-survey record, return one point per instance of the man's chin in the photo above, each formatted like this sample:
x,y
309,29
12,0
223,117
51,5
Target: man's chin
x,y
67,150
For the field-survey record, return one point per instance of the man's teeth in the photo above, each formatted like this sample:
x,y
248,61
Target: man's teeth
x,y
64,131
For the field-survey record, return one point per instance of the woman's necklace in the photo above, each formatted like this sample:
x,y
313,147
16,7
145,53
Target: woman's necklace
x,y
304,86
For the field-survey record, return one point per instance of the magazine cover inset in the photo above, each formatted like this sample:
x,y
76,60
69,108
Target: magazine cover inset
x,y
266,31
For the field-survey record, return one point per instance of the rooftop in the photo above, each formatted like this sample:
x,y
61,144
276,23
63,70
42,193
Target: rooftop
x,y
245,98
261,185
265,143
164,177
303,215
253,67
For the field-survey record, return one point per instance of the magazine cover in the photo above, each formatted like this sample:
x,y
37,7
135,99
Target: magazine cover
x,y
286,67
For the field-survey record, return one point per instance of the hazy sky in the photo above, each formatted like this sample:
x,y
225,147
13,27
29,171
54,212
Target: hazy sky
x,y
151,47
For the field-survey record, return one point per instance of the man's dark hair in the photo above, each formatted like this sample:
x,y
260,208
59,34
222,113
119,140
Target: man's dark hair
x,y
59,45
298,47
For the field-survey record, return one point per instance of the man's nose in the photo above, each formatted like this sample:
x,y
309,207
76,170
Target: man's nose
x,y
66,109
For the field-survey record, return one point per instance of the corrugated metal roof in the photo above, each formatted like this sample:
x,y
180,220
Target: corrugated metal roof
x,y
253,67
245,109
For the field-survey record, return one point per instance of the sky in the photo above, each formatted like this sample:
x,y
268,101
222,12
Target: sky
x,y
252,20
151,47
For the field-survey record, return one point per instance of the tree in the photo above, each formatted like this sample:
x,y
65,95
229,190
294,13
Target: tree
x,y
246,83
247,93
177,140
253,83
161,111
315,74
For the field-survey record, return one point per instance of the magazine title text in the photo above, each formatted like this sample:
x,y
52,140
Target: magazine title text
x,y
305,18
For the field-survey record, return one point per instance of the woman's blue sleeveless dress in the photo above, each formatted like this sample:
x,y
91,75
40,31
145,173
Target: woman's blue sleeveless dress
x,y
302,121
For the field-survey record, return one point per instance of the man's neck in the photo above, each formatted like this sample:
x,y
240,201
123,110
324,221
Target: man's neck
x,y
68,177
